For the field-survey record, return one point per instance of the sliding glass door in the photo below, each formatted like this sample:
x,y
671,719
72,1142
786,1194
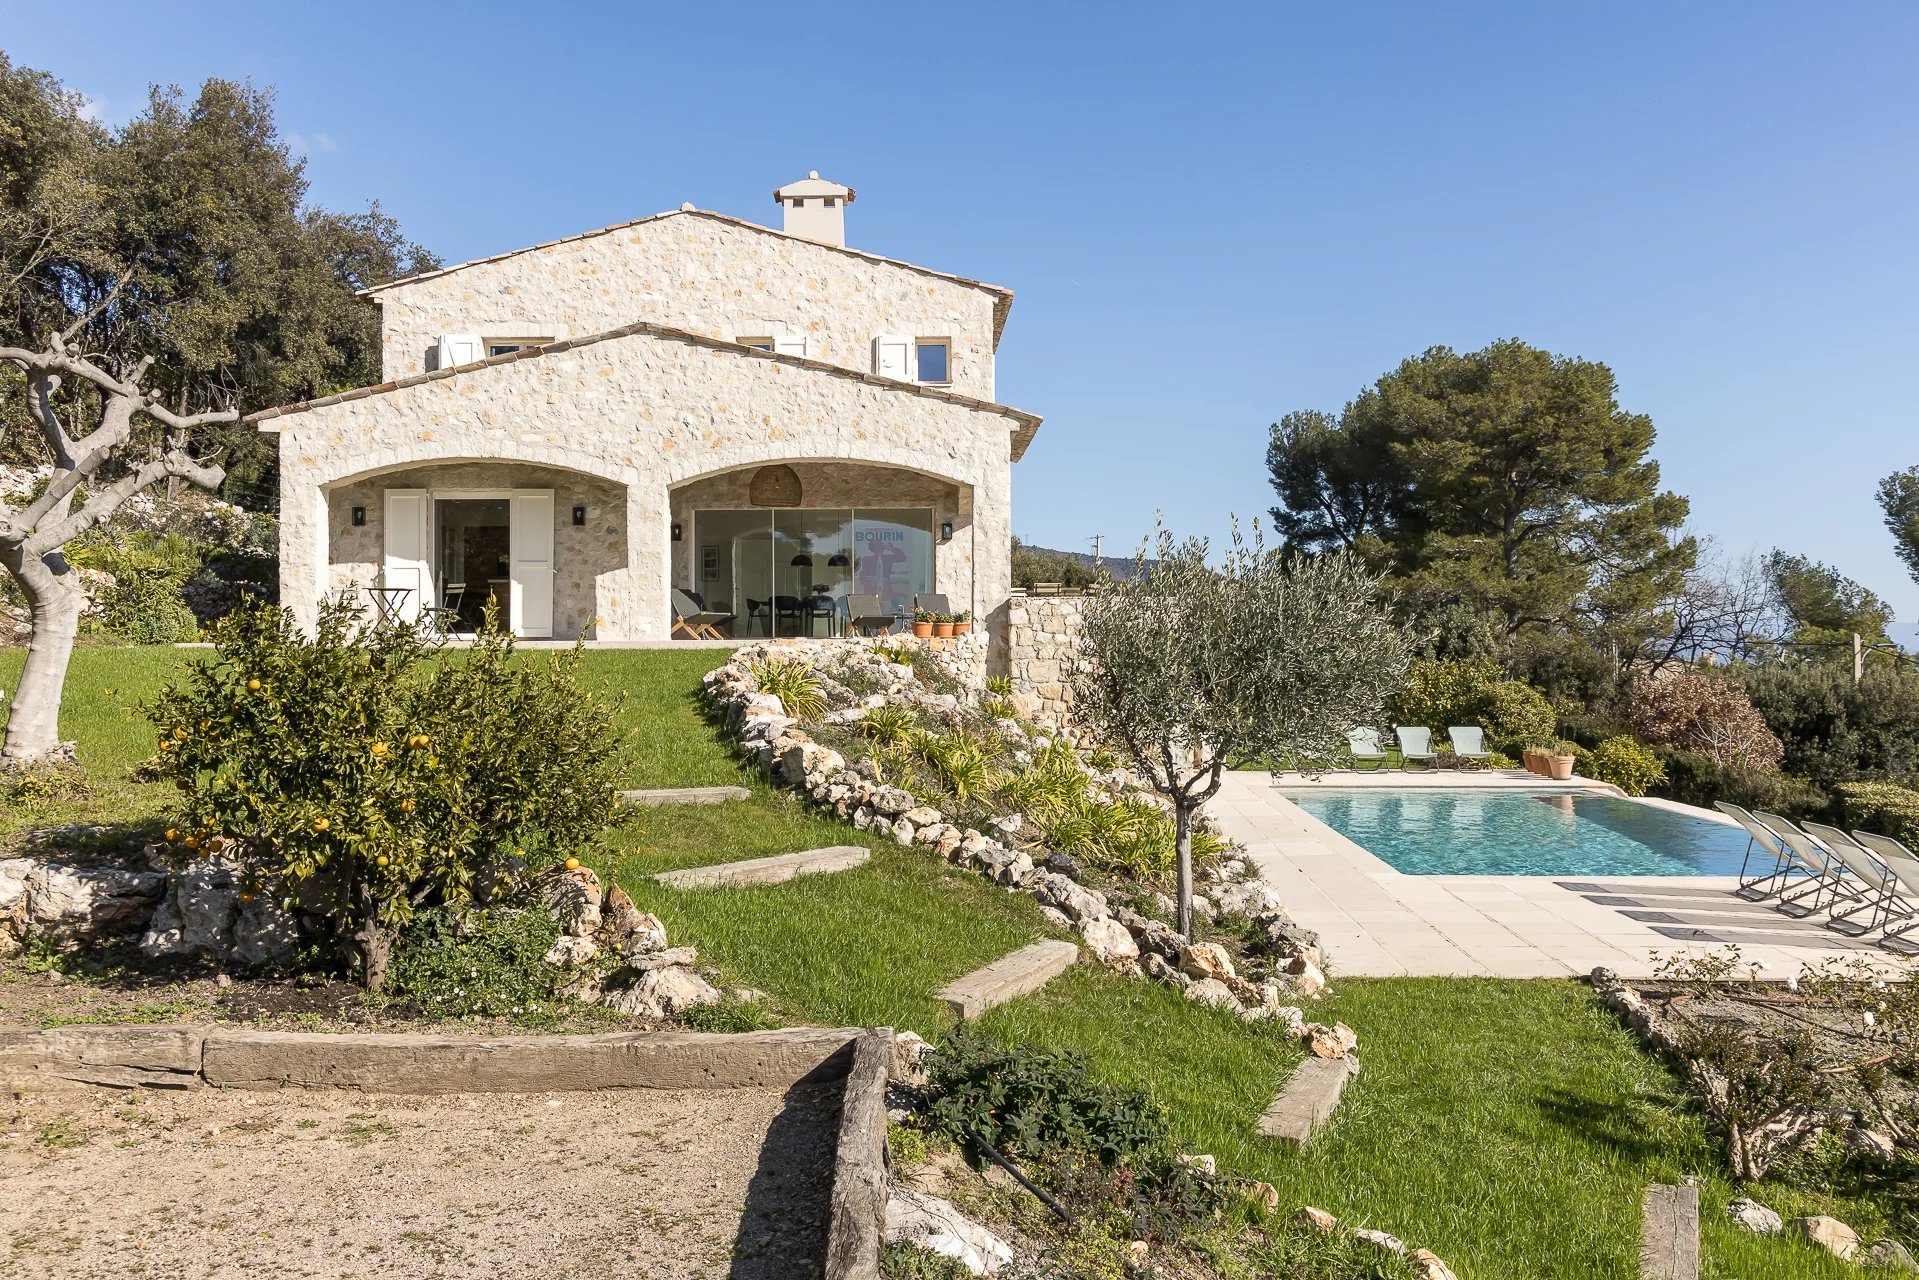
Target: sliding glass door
x,y
788,572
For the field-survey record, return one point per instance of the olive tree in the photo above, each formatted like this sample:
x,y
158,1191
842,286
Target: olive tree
x,y
1192,666
109,437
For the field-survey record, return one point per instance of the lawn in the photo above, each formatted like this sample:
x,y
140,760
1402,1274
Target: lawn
x,y
1511,1126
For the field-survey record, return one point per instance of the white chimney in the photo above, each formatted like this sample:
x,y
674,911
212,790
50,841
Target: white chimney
x,y
815,208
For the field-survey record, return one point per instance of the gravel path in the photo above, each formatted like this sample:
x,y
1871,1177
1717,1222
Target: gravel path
x,y
224,1185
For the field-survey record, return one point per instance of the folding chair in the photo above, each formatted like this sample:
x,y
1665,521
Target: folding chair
x,y
866,614
1760,836
1904,865
695,623
1881,885
1415,743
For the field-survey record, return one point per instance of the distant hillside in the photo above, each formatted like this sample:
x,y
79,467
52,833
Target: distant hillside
x,y
1070,568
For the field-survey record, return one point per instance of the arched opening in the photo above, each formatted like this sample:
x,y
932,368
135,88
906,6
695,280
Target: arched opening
x,y
542,543
798,548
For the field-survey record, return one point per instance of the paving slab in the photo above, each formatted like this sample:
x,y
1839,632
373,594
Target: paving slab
x,y
658,796
777,869
1307,1102
1669,1233
1009,977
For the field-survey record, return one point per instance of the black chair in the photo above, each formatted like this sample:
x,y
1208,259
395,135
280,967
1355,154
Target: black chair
x,y
445,620
788,609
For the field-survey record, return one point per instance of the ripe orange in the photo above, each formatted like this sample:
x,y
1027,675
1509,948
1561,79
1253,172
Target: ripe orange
x,y
253,685
379,748
192,842
180,733
380,861
406,805
321,824
572,864
173,833
246,895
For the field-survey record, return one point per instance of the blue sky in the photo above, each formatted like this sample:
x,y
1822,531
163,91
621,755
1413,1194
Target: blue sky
x,y
1211,215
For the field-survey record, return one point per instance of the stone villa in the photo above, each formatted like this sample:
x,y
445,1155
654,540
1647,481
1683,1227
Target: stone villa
x,y
765,418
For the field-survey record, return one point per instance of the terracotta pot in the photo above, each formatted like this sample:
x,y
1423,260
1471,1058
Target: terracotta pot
x,y
1532,760
962,628
943,630
922,629
1559,768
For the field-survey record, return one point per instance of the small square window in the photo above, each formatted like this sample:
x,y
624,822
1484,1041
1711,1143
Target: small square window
x,y
758,344
935,360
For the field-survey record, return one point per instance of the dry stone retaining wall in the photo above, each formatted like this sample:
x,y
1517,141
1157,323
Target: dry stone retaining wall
x,y
1039,645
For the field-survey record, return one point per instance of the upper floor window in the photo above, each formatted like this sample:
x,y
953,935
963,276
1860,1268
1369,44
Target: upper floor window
x,y
786,344
927,360
758,344
507,346
933,360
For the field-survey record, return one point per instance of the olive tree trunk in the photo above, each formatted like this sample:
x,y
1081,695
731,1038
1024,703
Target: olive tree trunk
x,y
95,472
1183,812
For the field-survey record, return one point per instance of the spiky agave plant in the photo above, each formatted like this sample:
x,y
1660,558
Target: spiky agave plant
x,y
793,683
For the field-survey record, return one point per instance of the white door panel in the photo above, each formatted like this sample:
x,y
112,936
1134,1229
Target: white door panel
x,y
531,536
408,560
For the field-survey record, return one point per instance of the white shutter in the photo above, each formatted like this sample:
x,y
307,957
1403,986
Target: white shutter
x,y
409,555
791,345
530,612
457,348
893,357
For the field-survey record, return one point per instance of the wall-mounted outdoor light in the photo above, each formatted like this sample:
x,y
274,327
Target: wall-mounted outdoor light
x,y
676,531
579,515
946,531
359,517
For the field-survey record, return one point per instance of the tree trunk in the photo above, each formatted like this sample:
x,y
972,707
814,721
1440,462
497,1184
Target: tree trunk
x,y
376,948
1183,844
33,723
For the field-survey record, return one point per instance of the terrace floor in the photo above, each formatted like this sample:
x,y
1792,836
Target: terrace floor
x,y
1375,921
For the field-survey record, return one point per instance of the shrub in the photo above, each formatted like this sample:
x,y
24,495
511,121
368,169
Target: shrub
x,y
1627,764
378,782
1700,780
1882,807
486,964
1447,691
1833,732
144,605
793,683
1690,710
888,723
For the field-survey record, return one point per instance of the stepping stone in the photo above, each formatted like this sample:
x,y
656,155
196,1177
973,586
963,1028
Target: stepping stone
x,y
1669,1233
775,870
685,795
1308,1100
1009,977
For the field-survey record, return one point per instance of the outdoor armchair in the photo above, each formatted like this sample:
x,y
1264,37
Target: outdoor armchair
x,y
932,603
867,614
1415,744
1469,742
695,623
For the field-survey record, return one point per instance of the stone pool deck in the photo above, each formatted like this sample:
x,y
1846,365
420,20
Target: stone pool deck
x,y
1377,922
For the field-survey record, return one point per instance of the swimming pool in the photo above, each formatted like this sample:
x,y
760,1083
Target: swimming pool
x,y
1529,833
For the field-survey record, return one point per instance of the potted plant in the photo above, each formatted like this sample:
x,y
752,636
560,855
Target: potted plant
x,y
962,623
943,625
923,622
1559,764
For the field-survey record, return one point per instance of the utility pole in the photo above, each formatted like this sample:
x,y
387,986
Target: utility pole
x,y
1096,547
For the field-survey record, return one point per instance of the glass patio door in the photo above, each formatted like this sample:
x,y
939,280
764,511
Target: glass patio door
x,y
788,571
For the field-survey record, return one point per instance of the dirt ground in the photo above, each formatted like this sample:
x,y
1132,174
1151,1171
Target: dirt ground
x,y
230,1184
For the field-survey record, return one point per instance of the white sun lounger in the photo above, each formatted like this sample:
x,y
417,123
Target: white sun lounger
x,y
1415,744
1363,749
1825,872
1469,742
1881,885
1904,865
1760,836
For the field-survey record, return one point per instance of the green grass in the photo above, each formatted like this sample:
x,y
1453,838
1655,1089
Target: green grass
x,y
1510,1126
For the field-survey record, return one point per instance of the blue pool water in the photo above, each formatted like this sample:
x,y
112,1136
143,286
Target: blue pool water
x,y
1459,833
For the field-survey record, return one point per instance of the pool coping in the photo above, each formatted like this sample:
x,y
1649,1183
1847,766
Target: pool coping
x,y
1378,921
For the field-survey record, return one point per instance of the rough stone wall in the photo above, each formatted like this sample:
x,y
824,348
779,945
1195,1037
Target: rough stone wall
x,y
1038,643
648,413
703,274
582,554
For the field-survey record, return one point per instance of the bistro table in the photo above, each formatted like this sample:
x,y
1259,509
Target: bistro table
x,y
388,601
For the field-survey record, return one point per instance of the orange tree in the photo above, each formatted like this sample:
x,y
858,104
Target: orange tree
x,y
363,777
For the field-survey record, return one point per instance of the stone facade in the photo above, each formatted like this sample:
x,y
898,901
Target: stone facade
x,y
645,408
646,412
705,273
1038,638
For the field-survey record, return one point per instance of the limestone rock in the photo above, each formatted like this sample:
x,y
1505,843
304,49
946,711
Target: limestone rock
x,y
1159,968
1335,1041
661,993
1749,1214
1887,1255
924,815
936,1226
1869,1146
1318,1219
1306,976
640,962
1281,935
1069,896
1107,939
1205,960
1427,1266
1830,1234
572,898
892,801
1264,1195
623,925
70,905
1213,992
1058,919
1382,1240
196,914
1247,898
265,932
568,950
